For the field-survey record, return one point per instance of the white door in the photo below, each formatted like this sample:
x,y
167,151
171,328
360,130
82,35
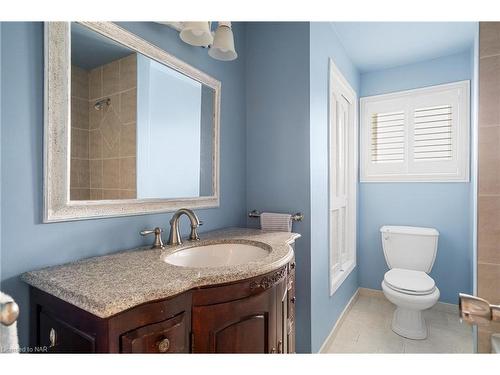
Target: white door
x,y
343,150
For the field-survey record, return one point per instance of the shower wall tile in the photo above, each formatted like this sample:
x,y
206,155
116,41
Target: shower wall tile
x,y
95,116
128,72
488,268
111,129
79,113
127,173
79,82
111,174
112,135
128,108
489,91
95,83
80,177
489,229
489,39
95,174
77,194
488,283
128,140
111,78
115,104
95,194
79,165
128,194
111,194
79,143
95,145
110,151
489,160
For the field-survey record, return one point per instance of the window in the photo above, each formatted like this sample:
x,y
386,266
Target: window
x,y
343,151
416,135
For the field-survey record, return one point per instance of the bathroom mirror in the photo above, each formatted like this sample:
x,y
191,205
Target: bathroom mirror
x,y
129,128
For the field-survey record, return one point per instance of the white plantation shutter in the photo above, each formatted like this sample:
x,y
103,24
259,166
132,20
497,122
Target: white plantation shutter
x,y
387,137
432,133
417,135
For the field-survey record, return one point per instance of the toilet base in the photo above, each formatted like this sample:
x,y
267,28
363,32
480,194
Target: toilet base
x,y
409,323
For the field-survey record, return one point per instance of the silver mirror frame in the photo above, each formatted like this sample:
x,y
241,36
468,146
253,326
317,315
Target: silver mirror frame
x,y
57,128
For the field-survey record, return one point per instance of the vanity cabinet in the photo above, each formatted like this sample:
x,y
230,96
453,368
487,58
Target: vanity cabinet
x,y
248,316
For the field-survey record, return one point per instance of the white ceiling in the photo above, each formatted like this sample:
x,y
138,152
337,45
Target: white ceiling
x,y
381,45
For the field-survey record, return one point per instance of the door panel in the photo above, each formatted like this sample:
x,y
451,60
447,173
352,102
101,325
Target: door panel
x,y
247,325
235,339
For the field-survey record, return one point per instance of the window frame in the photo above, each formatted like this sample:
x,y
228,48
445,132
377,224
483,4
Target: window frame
x,y
338,85
408,101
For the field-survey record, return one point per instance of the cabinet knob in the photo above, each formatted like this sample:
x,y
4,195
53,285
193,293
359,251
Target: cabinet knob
x,y
163,345
293,299
292,265
52,337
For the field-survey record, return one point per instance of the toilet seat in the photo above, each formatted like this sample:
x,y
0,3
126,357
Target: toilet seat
x,y
409,281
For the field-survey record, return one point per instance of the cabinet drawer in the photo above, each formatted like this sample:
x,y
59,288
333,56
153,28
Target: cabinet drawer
x,y
168,336
60,337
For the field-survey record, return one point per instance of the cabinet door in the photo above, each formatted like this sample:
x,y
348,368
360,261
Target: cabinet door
x,y
57,336
168,336
247,325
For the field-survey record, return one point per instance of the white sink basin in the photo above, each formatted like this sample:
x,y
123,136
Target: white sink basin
x,y
217,255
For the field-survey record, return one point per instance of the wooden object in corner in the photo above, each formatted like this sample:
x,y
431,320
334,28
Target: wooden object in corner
x,y
255,315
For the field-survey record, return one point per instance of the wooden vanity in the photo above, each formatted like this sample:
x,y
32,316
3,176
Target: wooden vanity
x,y
135,302
250,316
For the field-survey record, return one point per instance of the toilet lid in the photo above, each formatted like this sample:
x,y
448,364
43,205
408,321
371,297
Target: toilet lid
x,y
414,282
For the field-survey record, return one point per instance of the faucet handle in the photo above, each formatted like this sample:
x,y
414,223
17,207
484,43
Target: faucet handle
x,y
158,244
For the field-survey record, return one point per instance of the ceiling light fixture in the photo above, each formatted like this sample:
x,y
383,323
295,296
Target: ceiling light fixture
x,y
222,47
197,34
220,42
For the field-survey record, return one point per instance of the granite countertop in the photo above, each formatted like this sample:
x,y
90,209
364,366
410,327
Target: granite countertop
x,y
107,285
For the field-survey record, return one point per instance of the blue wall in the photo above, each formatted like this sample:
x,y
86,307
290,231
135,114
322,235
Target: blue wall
x,y
277,76
324,44
445,206
26,243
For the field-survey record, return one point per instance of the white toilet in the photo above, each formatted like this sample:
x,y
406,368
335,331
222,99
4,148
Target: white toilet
x,y
410,253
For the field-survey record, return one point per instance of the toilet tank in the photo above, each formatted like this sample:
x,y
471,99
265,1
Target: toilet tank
x,y
412,248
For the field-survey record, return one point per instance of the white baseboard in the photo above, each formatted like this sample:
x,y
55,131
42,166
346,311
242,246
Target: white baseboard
x,y
339,321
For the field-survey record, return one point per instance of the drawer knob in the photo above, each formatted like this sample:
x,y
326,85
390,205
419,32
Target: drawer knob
x,y
163,345
293,299
292,265
52,337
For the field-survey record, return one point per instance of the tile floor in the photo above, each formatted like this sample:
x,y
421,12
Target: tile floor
x,y
367,329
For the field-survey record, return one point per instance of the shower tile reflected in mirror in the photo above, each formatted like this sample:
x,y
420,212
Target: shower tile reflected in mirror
x,y
139,129
103,132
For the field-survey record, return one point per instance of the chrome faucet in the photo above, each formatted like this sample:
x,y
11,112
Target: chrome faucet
x,y
175,236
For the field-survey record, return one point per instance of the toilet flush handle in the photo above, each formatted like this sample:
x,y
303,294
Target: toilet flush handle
x,y
386,236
